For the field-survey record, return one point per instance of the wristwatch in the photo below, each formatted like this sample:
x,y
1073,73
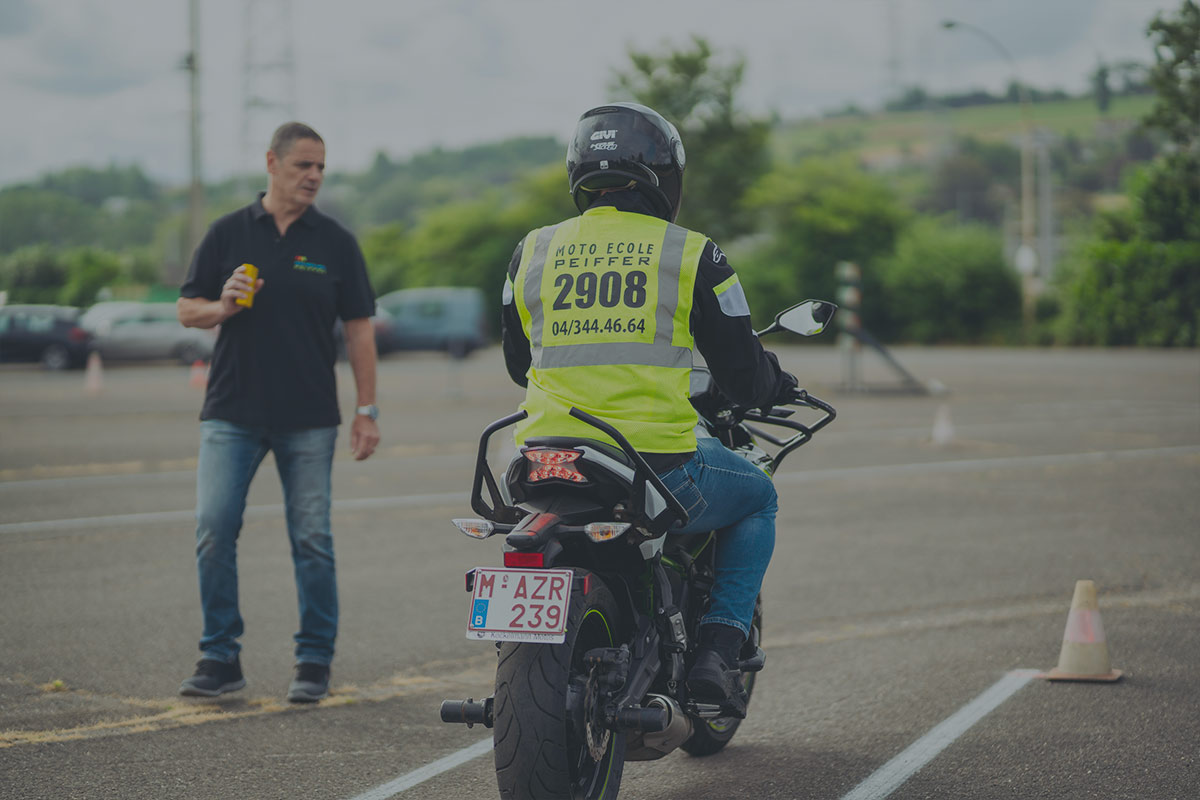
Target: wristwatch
x,y
371,411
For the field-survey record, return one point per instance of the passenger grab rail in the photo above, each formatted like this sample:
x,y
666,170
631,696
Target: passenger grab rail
x,y
499,511
640,465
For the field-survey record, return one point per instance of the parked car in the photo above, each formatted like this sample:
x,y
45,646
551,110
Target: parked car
x,y
381,322
131,330
450,318
46,333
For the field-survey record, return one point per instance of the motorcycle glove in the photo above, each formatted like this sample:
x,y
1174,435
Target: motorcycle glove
x,y
785,393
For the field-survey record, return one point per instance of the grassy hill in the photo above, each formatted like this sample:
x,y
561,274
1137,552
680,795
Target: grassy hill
x,y
888,138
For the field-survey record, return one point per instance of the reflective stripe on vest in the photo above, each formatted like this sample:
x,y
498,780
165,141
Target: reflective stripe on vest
x,y
622,283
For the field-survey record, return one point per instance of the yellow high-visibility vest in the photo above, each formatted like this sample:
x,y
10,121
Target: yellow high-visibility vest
x,y
604,299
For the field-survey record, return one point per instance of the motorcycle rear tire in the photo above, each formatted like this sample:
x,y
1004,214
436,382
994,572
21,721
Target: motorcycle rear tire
x,y
541,750
711,736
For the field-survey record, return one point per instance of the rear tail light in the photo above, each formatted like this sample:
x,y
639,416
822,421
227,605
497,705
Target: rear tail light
x,y
475,528
515,558
546,463
77,334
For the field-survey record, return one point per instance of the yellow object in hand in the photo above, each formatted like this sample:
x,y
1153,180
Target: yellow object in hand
x,y
251,273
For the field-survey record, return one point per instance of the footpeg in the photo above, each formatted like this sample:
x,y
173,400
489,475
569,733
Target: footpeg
x,y
704,710
754,663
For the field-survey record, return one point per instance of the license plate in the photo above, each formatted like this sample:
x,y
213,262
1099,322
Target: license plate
x,y
520,605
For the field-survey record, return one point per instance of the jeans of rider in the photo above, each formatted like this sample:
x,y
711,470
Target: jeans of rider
x,y
722,491
229,457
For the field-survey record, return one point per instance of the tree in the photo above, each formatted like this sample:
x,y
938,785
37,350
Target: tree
x,y
466,242
1169,206
963,185
95,186
89,270
1138,280
33,274
726,150
1134,292
1175,77
31,216
817,213
947,283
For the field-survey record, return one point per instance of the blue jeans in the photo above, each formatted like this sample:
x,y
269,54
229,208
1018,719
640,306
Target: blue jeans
x,y
724,492
229,457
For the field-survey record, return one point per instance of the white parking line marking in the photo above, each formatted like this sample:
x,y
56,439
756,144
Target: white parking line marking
x,y
252,512
968,464
393,788
891,775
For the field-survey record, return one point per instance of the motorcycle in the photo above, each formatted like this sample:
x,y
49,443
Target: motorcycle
x,y
596,611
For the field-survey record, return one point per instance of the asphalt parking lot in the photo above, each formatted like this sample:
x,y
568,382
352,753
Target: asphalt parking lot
x,y
927,552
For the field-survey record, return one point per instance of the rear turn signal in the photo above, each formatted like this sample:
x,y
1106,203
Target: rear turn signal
x,y
475,528
605,531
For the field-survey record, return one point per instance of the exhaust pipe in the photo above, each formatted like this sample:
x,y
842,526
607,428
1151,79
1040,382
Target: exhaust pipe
x,y
468,711
656,744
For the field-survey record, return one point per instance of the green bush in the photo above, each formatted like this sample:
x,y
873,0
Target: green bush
x,y
945,284
89,270
43,274
1134,292
815,214
33,274
467,243
1167,197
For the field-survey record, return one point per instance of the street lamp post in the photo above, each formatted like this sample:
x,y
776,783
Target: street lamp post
x,y
195,227
1026,256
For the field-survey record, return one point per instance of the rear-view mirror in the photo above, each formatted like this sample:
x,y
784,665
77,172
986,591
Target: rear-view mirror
x,y
807,319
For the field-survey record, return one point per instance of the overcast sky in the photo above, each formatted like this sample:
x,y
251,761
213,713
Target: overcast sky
x,y
87,82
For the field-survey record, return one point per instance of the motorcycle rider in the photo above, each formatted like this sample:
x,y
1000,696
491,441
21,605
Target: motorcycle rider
x,y
602,312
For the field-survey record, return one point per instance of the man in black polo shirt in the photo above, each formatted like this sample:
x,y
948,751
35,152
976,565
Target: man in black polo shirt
x,y
272,387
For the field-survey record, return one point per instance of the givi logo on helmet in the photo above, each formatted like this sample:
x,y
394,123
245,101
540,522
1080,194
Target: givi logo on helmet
x,y
597,135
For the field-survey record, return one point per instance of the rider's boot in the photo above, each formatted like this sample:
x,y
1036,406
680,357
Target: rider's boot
x,y
715,677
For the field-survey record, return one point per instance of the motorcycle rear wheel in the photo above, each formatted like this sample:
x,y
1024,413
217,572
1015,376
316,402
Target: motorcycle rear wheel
x,y
549,738
711,736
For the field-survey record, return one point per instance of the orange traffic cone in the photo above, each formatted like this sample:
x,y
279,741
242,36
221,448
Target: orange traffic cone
x,y
199,377
1084,655
93,381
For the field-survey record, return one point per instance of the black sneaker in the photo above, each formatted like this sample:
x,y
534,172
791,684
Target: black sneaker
x,y
310,684
710,680
214,678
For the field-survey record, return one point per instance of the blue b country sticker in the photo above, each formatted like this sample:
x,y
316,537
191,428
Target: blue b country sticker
x,y
302,263
479,613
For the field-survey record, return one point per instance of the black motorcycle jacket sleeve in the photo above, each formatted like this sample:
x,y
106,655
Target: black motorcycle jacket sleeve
x,y
748,374
513,340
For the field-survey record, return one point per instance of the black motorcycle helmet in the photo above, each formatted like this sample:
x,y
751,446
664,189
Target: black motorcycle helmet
x,y
626,145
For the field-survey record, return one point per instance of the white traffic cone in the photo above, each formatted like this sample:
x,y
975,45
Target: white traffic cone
x,y
1084,655
93,381
943,428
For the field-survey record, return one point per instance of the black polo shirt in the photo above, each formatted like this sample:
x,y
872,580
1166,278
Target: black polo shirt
x,y
273,365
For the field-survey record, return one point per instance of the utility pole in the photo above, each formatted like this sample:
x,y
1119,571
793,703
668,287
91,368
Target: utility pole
x,y
195,228
1046,239
1026,260
893,60
268,79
